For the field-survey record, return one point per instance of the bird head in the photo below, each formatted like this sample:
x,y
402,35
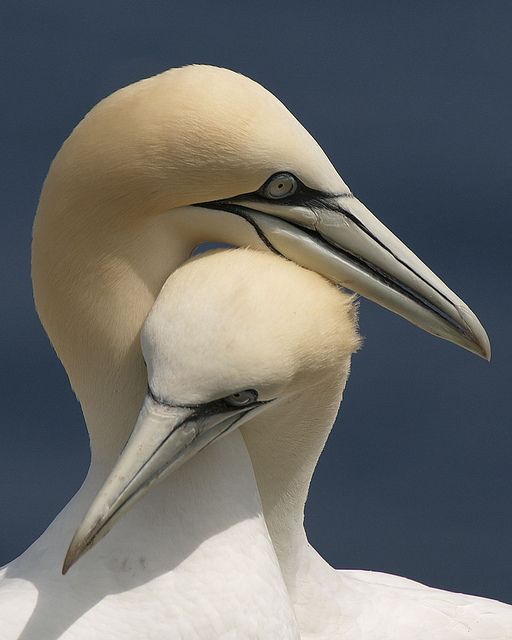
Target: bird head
x,y
231,336
219,153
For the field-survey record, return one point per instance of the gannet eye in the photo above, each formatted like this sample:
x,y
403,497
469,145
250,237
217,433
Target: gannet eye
x,y
242,398
279,186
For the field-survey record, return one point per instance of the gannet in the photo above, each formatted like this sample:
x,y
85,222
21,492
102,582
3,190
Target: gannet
x,y
192,155
231,342
196,560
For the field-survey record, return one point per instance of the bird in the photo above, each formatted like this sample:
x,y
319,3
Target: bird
x,y
192,155
197,561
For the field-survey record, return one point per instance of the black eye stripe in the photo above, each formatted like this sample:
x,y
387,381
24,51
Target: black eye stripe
x,y
221,405
302,196
242,398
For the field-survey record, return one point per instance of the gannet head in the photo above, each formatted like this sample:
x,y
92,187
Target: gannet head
x,y
210,142
231,335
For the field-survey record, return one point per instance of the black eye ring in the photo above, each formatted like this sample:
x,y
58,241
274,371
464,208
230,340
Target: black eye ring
x,y
278,186
242,398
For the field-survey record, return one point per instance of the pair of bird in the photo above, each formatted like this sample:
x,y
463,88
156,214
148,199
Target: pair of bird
x,y
243,362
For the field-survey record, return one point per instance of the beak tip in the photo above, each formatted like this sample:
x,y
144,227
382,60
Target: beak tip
x,y
484,345
69,561
480,343
75,551
486,350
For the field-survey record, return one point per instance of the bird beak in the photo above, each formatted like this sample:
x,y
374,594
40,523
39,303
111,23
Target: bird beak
x,y
163,438
338,237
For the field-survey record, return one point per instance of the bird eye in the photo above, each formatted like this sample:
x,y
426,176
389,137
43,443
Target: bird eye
x,y
279,186
242,398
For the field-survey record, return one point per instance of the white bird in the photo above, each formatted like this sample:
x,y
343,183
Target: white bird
x,y
192,155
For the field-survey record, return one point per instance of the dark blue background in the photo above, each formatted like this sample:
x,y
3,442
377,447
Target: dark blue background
x,y
412,102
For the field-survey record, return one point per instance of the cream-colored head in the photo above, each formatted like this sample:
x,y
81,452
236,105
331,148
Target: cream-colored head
x,y
242,319
232,336
188,135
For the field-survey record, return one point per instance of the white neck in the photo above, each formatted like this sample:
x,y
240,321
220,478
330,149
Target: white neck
x,y
199,532
284,449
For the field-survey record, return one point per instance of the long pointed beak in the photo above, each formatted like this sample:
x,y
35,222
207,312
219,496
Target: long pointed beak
x,y
163,438
341,239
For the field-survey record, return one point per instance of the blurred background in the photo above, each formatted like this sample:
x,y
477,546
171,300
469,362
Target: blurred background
x,y
412,101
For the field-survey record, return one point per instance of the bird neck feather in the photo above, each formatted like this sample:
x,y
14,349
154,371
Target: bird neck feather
x,y
285,445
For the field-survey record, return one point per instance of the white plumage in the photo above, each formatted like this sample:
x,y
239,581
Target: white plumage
x,y
217,548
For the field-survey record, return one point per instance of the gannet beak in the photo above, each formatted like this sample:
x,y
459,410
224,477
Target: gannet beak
x,y
163,438
338,237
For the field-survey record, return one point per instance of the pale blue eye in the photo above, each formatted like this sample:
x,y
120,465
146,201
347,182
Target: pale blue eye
x,y
242,398
280,186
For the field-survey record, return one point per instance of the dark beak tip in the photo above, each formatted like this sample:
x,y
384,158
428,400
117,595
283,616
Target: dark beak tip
x,y
67,564
74,553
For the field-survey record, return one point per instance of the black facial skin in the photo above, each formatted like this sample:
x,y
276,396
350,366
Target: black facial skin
x,y
221,405
303,196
